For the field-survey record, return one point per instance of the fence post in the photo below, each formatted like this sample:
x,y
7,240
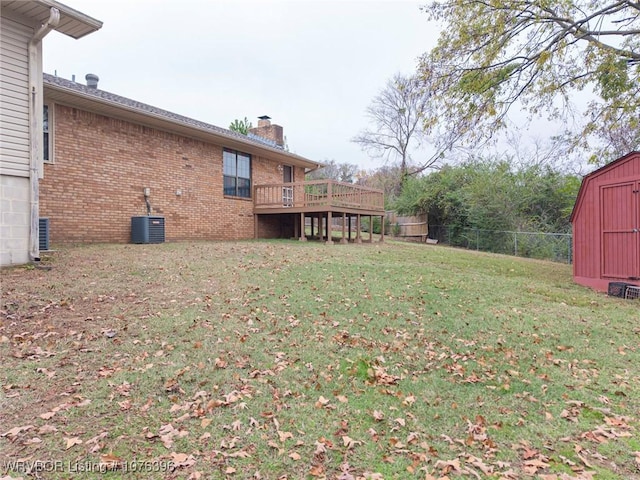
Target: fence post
x,y
515,243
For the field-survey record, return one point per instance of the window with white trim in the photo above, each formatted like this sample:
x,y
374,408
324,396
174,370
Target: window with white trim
x,y
237,173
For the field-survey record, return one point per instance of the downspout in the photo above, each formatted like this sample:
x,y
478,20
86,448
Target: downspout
x,y
35,134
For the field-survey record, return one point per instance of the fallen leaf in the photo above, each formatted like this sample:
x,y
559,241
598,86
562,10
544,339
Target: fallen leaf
x,y
110,461
47,429
16,430
349,442
316,471
71,442
409,400
47,372
182,459
378,416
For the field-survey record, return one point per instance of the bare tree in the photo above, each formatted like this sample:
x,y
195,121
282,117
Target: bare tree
x,y
341,172
396,124
386,178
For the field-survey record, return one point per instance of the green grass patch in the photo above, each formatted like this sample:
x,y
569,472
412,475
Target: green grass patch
x,y
311,361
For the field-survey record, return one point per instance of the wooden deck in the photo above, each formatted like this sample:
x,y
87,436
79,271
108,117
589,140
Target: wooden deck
x,y
320,200
317,196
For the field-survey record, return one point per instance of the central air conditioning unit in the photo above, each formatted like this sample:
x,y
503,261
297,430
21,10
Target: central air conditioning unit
x,y
43,229
147,229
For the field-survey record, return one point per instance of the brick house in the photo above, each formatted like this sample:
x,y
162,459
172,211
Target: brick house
x,y
109,158
105,150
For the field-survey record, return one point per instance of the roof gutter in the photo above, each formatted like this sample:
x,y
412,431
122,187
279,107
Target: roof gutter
x,y
67,13
35,130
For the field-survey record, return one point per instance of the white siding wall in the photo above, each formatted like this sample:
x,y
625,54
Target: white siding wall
x,y
14,142
14,96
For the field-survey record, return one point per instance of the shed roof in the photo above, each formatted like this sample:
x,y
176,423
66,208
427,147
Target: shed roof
x,y
596,173
109,104
72,22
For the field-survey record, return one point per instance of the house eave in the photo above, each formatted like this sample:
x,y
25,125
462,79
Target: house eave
x,y
78,99
73,23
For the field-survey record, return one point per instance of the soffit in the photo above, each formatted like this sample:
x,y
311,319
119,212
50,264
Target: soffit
x,y
72,22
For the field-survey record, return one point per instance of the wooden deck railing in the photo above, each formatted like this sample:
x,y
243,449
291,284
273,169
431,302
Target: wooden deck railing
x,y
317,194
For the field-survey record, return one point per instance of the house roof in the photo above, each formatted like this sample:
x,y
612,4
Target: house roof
x,y
72,22
596,173
109,104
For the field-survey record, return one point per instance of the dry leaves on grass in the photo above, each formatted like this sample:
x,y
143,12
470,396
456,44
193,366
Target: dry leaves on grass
x,y
231,384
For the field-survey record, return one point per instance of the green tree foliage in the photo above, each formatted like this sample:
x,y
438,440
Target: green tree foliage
x,y
537,54
493,195
241,126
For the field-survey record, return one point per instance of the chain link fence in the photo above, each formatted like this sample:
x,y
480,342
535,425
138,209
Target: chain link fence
x,y
547,246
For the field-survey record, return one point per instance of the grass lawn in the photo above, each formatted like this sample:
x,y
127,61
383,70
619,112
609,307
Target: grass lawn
x,y
291,360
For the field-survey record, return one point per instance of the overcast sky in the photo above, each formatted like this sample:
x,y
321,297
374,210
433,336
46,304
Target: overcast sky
x,y
313,66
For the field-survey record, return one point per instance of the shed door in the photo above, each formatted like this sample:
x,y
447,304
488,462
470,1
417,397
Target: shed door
x,y
620,215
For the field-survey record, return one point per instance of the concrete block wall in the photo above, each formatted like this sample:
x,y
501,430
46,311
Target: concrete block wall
x,y
101,166
14,220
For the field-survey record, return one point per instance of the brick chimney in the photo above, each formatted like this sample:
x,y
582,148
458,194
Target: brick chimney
x,y
266,130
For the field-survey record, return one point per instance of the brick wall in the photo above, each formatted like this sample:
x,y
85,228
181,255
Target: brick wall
x,y
102,165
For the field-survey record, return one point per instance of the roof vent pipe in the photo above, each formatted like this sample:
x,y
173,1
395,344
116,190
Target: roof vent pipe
x,y
92,80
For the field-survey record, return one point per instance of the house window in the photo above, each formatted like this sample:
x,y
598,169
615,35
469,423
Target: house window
x,y
237,173
46,138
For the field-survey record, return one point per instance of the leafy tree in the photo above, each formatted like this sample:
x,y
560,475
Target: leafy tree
x,y
491,194
535,54
396,118
341,172
241,126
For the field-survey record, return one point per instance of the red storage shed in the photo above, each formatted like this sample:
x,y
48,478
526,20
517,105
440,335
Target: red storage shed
x,y
606,225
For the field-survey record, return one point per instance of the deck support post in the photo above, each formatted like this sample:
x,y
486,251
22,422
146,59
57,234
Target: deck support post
x,y
358,228
303,237
382,229
350,217
255,226
344,220
329,228
370,228
313,221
